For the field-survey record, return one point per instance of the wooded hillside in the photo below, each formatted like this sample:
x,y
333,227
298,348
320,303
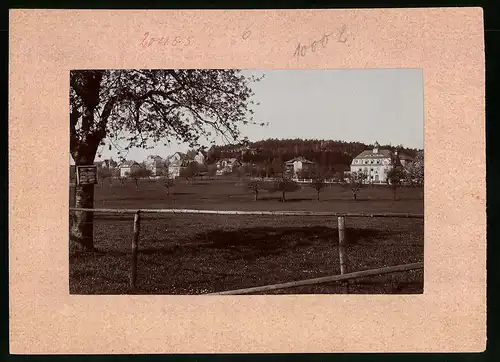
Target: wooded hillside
x,y
325,153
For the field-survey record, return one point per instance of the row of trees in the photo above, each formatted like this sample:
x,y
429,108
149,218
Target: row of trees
x,y
412,175
356,181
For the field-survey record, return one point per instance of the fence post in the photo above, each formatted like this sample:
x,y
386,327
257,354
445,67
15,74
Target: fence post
x,y
135,243
342,256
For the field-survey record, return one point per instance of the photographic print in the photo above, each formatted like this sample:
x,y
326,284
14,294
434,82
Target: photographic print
x,y
262,166
203,181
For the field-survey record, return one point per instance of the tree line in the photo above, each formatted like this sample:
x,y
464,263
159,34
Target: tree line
x,y
331,154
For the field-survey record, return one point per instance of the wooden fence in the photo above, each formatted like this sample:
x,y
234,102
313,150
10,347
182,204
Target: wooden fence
x,y
343,277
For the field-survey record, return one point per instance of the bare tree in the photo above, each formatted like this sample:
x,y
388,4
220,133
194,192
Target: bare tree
x,y
356,181
122,180
137,106
212,170
318,184
139,173
255,186
168,181
103,173
395,177
190,171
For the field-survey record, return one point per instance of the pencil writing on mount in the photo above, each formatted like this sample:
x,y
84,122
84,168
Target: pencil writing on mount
x,y
339,35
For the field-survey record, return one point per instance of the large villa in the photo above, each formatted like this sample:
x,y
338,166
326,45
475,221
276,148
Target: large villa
x,y
376,163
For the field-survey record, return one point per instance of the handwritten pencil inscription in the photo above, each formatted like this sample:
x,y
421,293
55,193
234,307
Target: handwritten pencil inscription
x,y
339,36
247,32
148,40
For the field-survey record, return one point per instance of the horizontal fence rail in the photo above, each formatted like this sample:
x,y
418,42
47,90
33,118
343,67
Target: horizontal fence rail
x,y
271,213
343,277
333,278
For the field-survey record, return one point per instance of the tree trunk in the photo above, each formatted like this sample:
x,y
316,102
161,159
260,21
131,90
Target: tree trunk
x,y
168,191
394,193
136,185
354,195
256,195
82,227
283,196
318,195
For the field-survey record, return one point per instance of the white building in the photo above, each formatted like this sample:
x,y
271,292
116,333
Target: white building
x,y
298,165
176,163
200,158
375,164
127,167
227,165
156,165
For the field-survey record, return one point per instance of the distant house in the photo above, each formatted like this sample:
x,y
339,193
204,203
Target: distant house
x,y
155,164
175,163
111,164
127,167
227,165
297,165
157,168
200,158
376,163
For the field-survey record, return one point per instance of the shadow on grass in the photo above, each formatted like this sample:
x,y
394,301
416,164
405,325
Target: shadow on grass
x,y
254,243
354,236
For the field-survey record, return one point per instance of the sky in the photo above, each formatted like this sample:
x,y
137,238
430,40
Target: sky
x,y
383,105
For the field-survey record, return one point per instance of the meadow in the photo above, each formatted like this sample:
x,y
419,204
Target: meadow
x,y
197,254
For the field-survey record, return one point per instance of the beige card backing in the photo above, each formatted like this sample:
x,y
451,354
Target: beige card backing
x,y
446,43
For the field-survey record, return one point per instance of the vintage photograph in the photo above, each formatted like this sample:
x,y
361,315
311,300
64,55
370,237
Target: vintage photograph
x,y
228,181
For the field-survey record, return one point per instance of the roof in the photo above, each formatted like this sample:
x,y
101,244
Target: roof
x,y
404,156
369,154
128,164
153,157
299,159
181,155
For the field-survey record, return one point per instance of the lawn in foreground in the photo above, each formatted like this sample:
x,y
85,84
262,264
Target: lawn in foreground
x,y
197,254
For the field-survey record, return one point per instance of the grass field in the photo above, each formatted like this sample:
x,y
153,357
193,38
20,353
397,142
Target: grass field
x,y
195,254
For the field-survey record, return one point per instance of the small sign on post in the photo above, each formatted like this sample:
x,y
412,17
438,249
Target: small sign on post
x,y
86,175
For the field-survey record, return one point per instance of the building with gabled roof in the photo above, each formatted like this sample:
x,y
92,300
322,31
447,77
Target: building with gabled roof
x,y
376,163
298,165
227,165
127,167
